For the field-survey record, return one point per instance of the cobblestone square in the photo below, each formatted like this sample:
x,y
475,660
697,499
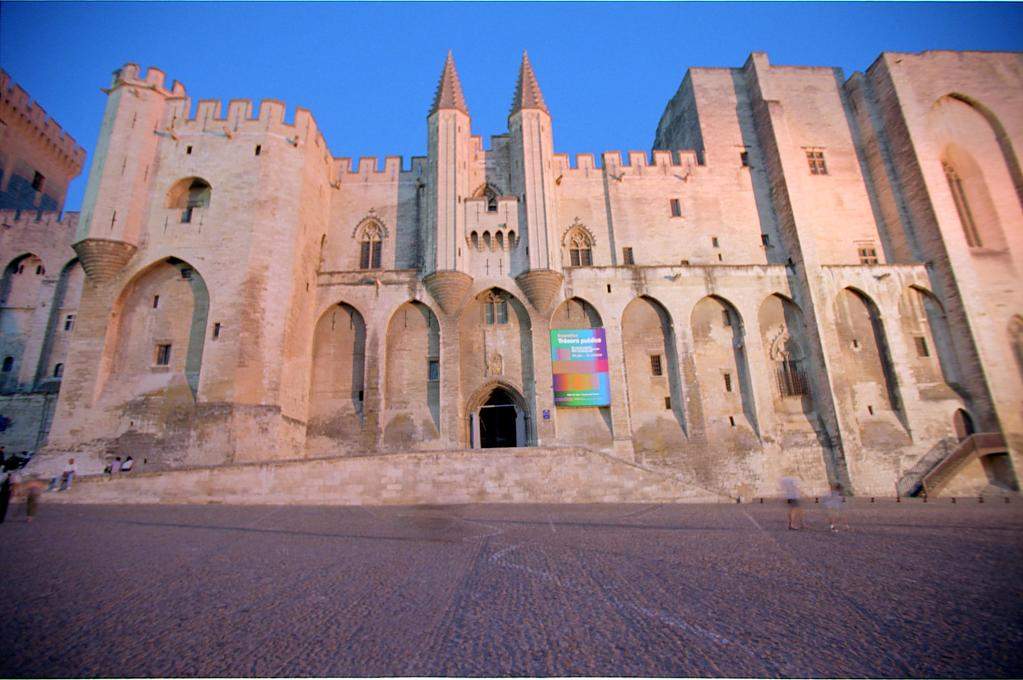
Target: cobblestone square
x,y
913,590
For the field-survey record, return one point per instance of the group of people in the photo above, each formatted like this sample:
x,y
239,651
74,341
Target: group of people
x,y
832,503
117,466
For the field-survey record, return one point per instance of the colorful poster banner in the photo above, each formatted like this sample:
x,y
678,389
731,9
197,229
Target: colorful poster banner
x,y
579,359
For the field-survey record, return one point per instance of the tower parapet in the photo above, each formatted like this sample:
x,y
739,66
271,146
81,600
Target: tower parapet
x,y
17,108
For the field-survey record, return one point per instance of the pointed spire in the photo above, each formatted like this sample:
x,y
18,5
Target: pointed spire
x,y
449,90
527,90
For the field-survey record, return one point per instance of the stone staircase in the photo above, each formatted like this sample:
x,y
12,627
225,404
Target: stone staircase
x,y
939,465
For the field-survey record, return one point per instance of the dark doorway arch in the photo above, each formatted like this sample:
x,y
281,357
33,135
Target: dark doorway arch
x,y
498,418
963,424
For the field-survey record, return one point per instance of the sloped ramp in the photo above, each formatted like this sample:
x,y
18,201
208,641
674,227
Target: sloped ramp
x,y
516,475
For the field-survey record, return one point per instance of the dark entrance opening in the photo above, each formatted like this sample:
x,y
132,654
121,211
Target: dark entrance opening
x,y
497,420
963,424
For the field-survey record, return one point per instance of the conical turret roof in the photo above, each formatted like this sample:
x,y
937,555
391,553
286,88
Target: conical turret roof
x,y
527,90
449,89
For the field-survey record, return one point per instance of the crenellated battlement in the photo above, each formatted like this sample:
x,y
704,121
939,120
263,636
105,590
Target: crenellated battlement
x,y
370,169
18,106
39,219
634,162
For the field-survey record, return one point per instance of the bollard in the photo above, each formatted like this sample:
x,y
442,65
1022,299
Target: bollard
x,y
953,500
761,500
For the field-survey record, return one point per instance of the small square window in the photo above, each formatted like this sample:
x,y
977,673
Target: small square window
x,y
69,322
655,365
627,256
433,369
731,421
868,255
163,353
765,240
728,382
744,158
259,149
676,207
188,150
186,273
40,270
216,330
815,160
714,241
8,364
38,181
921,347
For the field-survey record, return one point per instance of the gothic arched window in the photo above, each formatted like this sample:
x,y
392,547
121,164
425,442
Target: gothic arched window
x,y
370,246
580,248
490,193
955,184
495,308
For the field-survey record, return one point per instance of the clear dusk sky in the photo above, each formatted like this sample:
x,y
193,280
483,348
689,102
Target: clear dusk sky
x,y
367,71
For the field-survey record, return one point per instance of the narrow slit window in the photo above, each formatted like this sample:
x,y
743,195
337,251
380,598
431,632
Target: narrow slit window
x,y
58,371
921,347
188,150
433,369
216,330
726,317
667,403
744,158
655,365
69,322
156,301
38,181
676,207
259,149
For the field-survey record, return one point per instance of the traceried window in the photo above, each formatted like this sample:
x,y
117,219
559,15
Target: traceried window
x,y
490,193
370,246
815,159
955,184
580,249
495,309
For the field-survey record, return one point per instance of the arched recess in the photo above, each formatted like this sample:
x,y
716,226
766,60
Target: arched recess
x,y
337,379
61,323
156,335
20,290
412,377
1001,137
869,370
933,360
972,197
589,426
489,192
656,408
962,423
577,245
722,372
496,343
190,195
783,333
1016,341
497,416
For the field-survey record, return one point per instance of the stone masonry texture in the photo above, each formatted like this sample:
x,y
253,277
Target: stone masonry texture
x,y
808,276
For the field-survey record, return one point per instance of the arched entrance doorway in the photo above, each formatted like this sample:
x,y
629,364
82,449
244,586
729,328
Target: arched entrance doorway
x,y
963,424
498,418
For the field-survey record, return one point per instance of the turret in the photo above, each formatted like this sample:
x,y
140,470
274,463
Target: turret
x,y
117,193
447,184
532,147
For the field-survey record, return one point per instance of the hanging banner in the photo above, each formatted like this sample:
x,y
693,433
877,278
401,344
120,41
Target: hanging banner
x,y
579,360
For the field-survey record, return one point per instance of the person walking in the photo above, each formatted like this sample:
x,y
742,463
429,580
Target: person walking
x,y
790,490
69,475
833,506
32,489
5,495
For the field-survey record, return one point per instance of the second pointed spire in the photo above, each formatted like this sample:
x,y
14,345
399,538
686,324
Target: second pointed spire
x,y
449,89
527,90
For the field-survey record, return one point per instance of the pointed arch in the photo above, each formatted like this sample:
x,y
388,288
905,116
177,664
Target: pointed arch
x,y
864,343
782,331
412,372
490,192
1001,136
722,366
370,234
337,381
653,380
156,333
577,246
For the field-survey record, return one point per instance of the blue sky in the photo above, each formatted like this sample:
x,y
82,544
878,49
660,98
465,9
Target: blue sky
x,y
367,71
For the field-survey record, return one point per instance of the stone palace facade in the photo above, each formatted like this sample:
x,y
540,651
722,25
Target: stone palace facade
x,y
808,275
